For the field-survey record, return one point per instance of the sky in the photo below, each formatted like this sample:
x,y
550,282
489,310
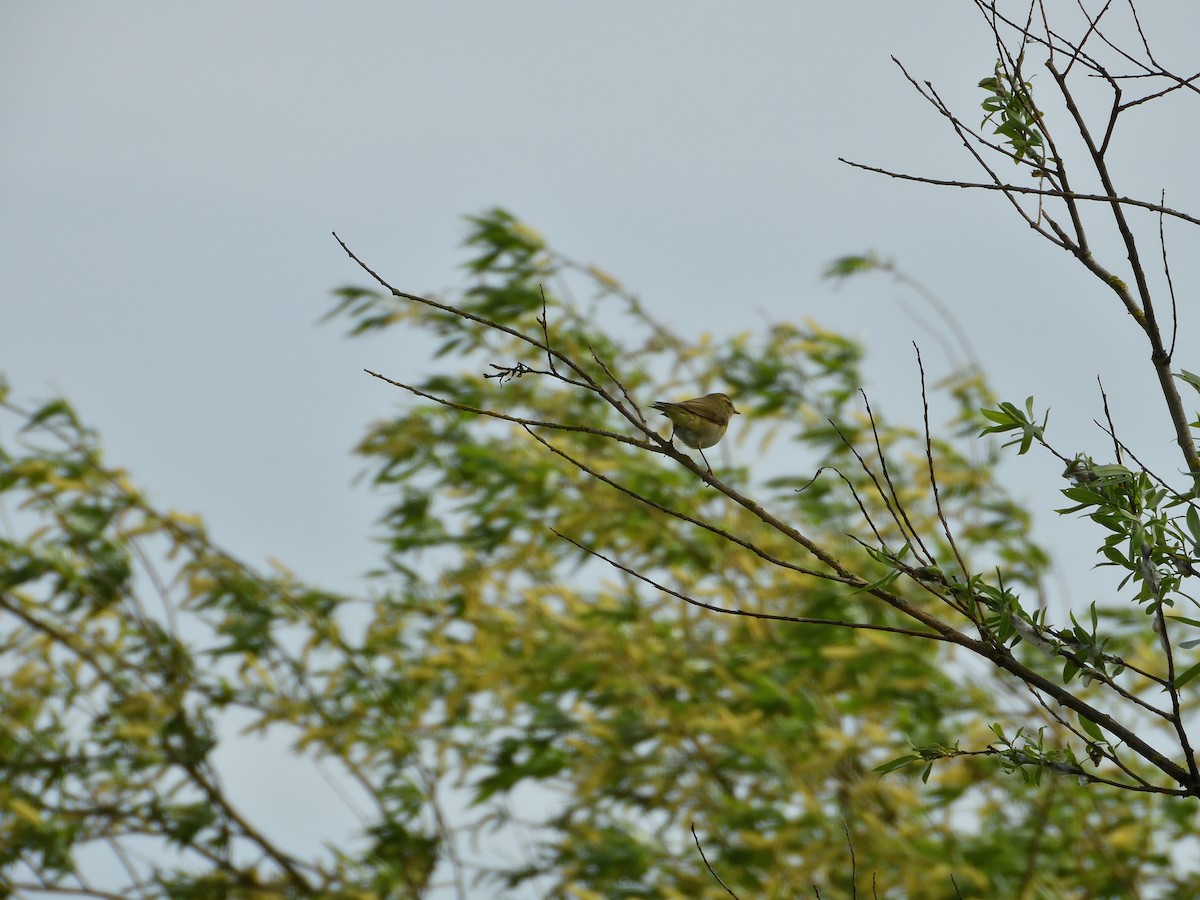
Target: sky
x,y
170,175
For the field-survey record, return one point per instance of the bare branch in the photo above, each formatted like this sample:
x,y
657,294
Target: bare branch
x,y
1173,692
937,497
731,611
504,417
1162,243
1023,189
708,866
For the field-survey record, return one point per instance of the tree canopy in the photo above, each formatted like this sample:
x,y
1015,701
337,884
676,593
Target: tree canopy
x,y
822,668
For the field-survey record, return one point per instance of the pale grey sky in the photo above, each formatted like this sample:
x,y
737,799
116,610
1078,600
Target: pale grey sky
x,y
170,173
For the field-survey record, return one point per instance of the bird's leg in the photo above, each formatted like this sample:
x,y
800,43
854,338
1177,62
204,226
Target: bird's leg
x,y
706,462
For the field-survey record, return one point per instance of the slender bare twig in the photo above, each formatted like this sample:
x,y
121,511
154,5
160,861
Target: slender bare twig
x,y
750,614
1173,693
504,417
1007,187
1112,429
928,558
684,517
708,865
937,497
585,380
887,478
620,386
853,493
1162,243
853,861
544,321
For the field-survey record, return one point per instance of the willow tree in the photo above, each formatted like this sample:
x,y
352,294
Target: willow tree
x,y
821,666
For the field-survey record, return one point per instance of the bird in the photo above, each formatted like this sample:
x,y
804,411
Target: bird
x,y
699,423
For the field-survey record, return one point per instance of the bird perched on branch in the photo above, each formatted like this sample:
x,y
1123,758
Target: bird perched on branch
x,y
701,422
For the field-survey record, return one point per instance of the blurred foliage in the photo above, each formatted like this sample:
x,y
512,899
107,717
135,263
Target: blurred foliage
x,y
501,685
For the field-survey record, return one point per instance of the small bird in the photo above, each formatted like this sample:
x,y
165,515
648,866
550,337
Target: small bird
x,y
701,422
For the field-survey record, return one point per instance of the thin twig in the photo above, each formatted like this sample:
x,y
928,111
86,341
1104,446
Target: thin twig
x,y
544,321
853,493
929,559
708,866
1112,429
937,497
1173,693
620,386
1025,189
1162,243
887,477
691,520
587,381
731,611
853,860
493,414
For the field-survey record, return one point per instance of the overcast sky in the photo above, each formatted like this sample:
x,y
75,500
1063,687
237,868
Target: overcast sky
x,y
170,174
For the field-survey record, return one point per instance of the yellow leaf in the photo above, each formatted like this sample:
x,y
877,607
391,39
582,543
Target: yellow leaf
x,y
1126,837
25,811
529,234
842,651
604,278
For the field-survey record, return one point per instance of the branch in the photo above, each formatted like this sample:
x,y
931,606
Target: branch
x,y
937,497
729,611
709,866
493,414
588,382
1021,189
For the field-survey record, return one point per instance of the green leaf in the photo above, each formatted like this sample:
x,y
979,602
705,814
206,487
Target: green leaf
x,y
846,266
1090,728
1190,378
1185,677
898,763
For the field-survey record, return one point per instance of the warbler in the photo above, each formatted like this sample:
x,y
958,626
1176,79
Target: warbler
x,y
701,422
